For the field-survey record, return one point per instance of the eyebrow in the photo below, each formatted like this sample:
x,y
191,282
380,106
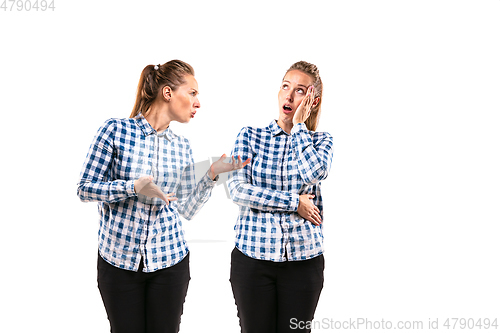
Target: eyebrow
x,y
297,84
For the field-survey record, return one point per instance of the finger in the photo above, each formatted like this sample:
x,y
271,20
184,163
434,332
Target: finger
x,y
309,218
222,157
171,197
246,162
163,197
312,220
311,196
240,162
310,100
305,104
317,217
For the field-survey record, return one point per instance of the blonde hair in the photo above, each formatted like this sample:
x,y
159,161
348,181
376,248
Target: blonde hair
x,y
310,69
154,78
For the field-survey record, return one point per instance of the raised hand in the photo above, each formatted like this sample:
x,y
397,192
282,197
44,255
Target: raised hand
x,y
219,166
304,109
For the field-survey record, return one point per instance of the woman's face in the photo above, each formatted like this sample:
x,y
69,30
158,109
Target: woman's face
x,y
184,100
292,92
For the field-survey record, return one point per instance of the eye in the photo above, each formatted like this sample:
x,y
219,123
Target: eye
x,y
284,86
300,91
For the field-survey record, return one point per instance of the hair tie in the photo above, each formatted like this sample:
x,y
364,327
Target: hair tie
x,y
156,67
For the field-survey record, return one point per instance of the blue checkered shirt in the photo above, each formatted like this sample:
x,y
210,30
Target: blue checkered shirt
x,y
134,225
267,191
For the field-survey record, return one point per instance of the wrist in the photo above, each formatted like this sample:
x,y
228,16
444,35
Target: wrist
x,y
212,173
299,127
132,187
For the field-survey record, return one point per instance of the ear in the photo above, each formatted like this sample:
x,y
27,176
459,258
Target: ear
x,y
166,93
316,101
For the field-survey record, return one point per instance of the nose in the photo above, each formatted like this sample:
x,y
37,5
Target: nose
x,y
289,96
196,103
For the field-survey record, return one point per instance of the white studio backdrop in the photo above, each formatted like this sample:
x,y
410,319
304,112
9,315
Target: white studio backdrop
x,y
411,97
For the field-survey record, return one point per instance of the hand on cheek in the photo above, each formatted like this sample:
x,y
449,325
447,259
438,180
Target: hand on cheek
x,y
304,109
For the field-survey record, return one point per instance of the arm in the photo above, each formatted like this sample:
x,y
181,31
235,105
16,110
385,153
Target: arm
x,y
191,196
314,159
95,183
243,193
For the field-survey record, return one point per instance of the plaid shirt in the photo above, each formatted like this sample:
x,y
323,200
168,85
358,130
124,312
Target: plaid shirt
x,y
267,191
134,225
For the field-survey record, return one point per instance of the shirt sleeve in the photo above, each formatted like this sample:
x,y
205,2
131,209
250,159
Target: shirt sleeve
x,y
191,196
95,183
243,193
314,158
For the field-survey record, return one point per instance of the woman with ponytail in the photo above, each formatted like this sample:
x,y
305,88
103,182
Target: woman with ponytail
x,y
142,177
277,264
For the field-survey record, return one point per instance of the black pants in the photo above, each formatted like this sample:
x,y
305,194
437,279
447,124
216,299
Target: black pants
x,y
139,302
273,297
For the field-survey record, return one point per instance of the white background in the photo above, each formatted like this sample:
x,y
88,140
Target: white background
x,y
411,97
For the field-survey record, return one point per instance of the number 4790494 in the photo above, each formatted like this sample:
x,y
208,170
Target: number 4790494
x,y
27,5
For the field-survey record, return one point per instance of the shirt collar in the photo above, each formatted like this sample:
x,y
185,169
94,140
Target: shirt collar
x,y
168,134
276,129
147,129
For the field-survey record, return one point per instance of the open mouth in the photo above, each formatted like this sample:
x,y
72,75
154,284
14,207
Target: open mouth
x,y
192,114
287,108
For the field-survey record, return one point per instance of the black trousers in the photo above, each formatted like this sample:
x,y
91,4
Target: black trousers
x,y
272,297
138,302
